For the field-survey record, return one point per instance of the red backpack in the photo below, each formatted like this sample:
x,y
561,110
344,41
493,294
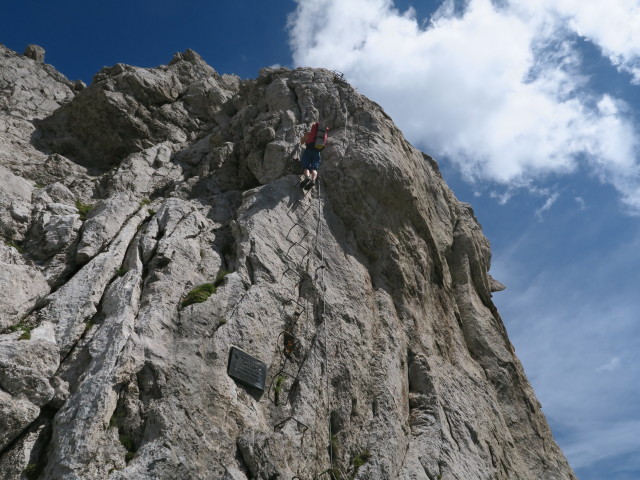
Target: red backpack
x,y
318,136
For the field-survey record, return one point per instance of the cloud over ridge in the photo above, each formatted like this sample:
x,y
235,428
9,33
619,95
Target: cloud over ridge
x,y
496,89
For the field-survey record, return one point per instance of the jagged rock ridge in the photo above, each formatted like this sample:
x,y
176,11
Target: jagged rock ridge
x,y
369,298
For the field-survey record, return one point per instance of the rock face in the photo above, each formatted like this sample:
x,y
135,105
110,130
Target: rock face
x,y
34,52
368,298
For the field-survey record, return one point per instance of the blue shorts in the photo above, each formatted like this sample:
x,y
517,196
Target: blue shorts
x,y
310,159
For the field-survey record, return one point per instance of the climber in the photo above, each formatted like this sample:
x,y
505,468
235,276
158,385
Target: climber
x,y
314,141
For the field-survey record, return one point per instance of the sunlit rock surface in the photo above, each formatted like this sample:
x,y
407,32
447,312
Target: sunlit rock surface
x,y
368,297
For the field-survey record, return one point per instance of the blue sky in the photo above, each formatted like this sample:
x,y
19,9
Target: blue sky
x,y
531,108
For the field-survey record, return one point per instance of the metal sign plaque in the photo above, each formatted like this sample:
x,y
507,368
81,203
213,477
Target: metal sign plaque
x,y
247,369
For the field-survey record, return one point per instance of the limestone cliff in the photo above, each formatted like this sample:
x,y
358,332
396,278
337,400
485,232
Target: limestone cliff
x,y
153,221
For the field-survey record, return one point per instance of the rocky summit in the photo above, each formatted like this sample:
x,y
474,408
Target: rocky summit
x,y
174,306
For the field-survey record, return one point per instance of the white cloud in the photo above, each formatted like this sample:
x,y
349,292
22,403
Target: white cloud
x,y
496,90
547,205
502,197
613,25
610,366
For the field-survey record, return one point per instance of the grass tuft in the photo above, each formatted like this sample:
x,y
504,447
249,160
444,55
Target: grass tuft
x,y
202,292
32,471
17,245
199,294
360,459
26,330
278,388
219,280
83,209
121,271
127,443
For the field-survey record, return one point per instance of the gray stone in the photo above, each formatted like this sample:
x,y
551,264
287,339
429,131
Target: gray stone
x,y
143,107
495,285
53,233
104,222
61,392
27,365
15,200
15,415
34,52
22,285
60,193
20,211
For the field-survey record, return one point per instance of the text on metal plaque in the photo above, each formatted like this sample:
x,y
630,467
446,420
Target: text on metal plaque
x,y
247,369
